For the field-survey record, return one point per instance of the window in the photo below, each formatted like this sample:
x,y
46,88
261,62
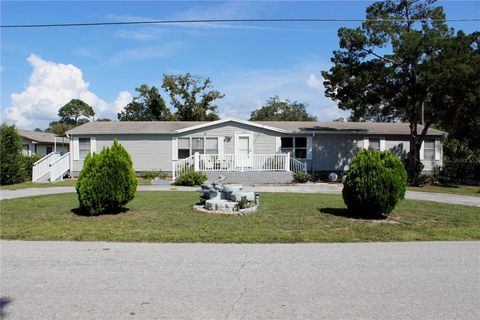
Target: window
x,y
429,150
188,146
49,150
301,148
211,146
296,146
183,148
198,145
374,144
83,147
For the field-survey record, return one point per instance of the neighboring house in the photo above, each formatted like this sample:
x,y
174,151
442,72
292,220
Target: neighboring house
x,y
267,151
43,143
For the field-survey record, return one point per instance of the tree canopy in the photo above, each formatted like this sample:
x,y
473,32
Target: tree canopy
x,y
147,106
276,109
75,112
72,114
192,97
392,67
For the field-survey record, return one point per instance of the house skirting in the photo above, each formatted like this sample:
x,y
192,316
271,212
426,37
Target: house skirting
x,y
251,177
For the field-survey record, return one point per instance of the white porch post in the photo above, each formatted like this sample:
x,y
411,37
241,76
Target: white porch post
x,y
287,163
173,170
196,163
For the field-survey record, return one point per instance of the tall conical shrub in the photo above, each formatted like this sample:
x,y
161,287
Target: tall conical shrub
x,y
375,183
107,181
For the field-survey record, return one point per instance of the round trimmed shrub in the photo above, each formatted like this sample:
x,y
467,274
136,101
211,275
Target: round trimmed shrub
x,y
375,183
191,178
107,181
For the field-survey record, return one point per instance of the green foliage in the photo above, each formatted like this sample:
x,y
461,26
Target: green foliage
x,y
12,168
401,60
75,111
375,183
277,109
190,178
147,106
59,128
302,177
27,164
192,98
152,174
107,181
461,161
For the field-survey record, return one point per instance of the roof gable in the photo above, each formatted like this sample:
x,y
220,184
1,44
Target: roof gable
x,y
226,120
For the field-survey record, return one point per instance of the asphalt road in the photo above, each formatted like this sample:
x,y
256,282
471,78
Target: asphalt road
x,y
99,280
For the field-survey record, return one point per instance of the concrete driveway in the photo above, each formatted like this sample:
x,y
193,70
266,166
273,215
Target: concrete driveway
x,y
299,188
98,280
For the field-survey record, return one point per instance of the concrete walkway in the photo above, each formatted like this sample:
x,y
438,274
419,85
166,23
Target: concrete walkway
x,y
324,188
108,280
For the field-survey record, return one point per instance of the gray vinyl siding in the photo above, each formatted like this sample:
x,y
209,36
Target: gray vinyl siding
x,y
334,152
263,140
148,151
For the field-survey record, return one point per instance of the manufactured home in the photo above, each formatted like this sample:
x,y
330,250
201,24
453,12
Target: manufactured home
x,y
257,151
42,143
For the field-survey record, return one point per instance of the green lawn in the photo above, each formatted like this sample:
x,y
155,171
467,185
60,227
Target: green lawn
x,y
66,182
452,189
168,217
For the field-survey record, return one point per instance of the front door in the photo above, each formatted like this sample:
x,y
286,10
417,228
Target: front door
x,y
243,150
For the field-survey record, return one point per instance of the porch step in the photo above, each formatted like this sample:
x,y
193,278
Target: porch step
x,y
251,177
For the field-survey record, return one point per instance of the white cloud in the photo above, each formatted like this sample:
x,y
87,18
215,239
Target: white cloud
x,y
51,85
314,83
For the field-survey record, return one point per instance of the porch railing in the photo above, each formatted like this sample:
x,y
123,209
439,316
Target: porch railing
x,y
238,162
42,166
59,167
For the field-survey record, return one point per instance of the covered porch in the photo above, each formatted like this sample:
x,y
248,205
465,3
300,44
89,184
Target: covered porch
x,y
281,162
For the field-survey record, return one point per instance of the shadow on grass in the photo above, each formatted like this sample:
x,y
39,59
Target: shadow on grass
x,y
344,212
82,212
4,301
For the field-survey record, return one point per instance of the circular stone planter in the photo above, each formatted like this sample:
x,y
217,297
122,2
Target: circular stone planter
x,y
240,212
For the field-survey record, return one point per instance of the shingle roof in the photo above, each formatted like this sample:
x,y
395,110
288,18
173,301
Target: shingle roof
x,y
387,128
169,127
134,127
43,137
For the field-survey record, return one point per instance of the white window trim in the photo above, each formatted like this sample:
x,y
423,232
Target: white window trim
x,y
93,145
220,147
77,146
366,142
278,144
76,149
382,144
294,147
309,148
438,149
174,148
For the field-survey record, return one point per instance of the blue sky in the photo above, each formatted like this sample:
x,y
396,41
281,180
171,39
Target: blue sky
x,y
41,69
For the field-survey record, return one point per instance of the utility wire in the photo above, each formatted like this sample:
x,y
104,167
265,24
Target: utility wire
x,y
93,24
